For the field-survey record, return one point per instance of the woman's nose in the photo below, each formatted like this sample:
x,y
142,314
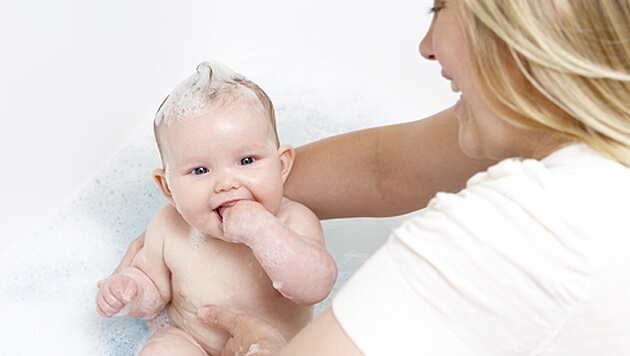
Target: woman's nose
x,y
426,45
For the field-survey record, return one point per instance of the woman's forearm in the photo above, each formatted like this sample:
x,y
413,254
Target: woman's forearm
x,y
382,171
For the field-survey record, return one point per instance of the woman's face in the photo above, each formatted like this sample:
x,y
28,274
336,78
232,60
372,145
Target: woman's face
x,y
482,133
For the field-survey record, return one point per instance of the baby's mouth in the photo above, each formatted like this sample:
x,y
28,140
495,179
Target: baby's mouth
x,y
221,208
219,215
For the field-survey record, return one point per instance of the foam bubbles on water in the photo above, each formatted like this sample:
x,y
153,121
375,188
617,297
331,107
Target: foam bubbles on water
x,y
124,311
161,320
48,280
256,349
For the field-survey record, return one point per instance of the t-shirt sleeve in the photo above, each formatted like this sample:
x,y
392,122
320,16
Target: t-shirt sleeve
x,y
481,272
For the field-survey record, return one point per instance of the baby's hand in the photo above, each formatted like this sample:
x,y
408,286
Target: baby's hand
x,y
115,293
243,220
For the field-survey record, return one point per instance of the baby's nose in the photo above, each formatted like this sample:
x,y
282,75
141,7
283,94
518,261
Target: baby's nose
x,y
225,181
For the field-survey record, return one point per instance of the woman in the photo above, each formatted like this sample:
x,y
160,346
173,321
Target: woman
x,y
531,257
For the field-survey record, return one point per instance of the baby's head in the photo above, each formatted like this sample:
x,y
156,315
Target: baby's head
x,y
217,137
213,84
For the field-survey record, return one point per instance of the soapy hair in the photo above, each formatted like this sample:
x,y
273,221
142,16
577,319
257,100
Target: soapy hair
x,y
561,66
212,82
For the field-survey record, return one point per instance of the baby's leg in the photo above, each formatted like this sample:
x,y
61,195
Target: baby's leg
x,y
172,341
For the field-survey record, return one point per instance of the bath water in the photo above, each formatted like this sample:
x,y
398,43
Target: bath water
x,y
48,281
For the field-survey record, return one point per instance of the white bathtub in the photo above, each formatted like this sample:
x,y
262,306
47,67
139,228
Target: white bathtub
x,y
48,281
75,85
77,78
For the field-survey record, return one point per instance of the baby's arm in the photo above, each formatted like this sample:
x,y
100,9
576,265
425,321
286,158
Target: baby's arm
x,y
142,289
290,248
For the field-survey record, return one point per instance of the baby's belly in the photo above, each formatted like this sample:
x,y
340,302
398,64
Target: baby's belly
x,y
212,340
283,314
228,276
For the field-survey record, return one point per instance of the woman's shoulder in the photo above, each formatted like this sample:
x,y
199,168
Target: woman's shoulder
x,y
567,208
575,191
526,240
575,175
572,161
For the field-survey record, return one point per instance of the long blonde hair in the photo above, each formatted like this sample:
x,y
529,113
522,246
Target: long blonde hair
x,y
557,65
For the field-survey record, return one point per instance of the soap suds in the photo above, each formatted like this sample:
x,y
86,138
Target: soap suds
x,y
197,238
192,95
51,274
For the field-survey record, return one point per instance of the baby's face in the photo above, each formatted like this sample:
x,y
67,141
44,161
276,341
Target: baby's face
x,y
226,154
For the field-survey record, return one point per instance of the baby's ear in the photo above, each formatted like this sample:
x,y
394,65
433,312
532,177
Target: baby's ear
x,y
287,156
159,176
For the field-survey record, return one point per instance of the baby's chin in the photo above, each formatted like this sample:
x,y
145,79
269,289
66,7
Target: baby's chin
x,y
209,225
200,234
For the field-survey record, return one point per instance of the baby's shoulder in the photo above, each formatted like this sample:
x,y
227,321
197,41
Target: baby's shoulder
x,y
167,222
290,208
299,218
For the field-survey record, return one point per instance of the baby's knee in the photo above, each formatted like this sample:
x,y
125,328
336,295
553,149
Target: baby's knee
x,y
171,341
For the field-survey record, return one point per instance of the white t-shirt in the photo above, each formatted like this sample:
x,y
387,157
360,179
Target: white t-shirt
x,y
532,258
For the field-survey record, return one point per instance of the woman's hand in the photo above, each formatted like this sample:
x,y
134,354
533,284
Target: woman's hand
x,y
249,336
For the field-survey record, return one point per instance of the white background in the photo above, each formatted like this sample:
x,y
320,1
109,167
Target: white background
x,y
77,78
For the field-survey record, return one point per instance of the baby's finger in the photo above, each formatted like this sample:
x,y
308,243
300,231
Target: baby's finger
x,y
104,307
100,311
114,296
130,292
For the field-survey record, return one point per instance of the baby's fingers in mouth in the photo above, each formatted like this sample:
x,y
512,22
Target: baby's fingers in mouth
x,y
220,211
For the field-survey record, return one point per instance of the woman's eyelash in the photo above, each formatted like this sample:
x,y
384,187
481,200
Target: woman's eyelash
x,y
437,6
434,10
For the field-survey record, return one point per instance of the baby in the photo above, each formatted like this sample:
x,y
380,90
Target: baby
x,y
228,237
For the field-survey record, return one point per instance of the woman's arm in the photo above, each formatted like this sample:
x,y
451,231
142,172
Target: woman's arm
x,y
382,171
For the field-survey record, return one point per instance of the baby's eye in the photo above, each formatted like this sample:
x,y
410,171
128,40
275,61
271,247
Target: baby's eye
x,y
199,171
247,160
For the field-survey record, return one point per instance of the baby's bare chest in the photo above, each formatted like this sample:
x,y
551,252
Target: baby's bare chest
x,y
213,272
209,271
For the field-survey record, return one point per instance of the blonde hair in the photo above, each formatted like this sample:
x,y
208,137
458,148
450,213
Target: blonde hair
x,y
561,66
211,82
